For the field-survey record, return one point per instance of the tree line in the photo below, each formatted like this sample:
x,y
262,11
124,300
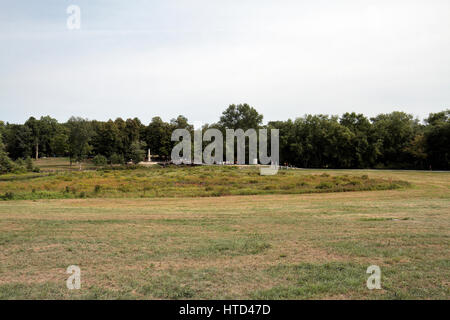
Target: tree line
x,y
394,140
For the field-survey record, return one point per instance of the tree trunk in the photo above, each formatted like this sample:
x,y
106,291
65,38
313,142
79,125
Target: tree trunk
x,y
37,151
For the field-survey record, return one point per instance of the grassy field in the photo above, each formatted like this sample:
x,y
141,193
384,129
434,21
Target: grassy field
x,y
203,181
273,246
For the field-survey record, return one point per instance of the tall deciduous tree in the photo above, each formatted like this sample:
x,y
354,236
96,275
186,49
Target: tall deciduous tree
x,y
80,134
137,151
158,137
365,148
18,140
6,164
35,129
437,137
395,131
241,116
43,131
107,139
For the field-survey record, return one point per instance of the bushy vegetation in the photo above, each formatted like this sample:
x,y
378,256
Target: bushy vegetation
x,y
7,165
176,181
394,140
100,160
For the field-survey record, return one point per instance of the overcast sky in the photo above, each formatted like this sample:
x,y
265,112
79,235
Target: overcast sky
x,y
195,57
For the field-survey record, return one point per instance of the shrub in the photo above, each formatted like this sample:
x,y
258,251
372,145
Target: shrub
x,y
147,188
19,170
6,164
29,164
354,183
20,162
8,196
324,185
136,151
100,160
116,159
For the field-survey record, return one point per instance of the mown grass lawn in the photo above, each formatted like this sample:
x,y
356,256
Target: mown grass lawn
x,y
275,246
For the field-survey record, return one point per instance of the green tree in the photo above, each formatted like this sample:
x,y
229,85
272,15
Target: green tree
x,y
35,128
395,131
132,133
29,165
107,139
417,151
49,127
137,151
43,132
365,148
121,147
2,128
116,159
6,164
158,137
80,134
287,141
181,122
100,160
60,143
241,116
320,141
18,141
437,137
